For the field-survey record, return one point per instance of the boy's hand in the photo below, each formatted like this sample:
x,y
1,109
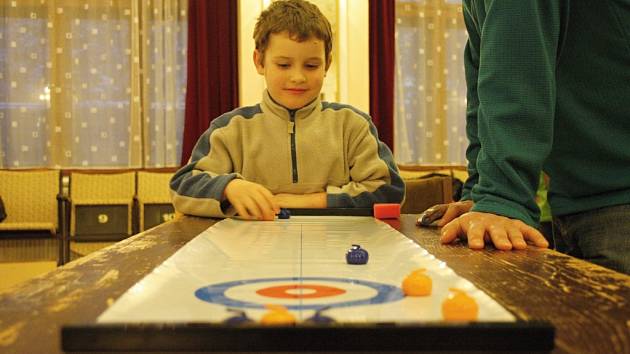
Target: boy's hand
x,y
505,233
444,213
251,200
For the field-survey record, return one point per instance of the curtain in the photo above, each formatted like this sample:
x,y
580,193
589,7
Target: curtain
x,y
212,67
430,94
382,59
91,84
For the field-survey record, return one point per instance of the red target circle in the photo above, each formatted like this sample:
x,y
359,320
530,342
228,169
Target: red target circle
x,y
283,291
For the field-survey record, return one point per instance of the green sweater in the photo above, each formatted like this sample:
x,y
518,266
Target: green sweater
x,y
548,88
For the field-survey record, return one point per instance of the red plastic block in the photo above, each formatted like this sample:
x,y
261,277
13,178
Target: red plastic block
x,y
387,211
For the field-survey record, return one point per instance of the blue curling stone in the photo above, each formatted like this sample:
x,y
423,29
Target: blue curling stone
x,y
357,255
284,214
320,319
239,319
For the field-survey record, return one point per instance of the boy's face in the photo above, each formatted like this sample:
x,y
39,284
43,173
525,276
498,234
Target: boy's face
x,y
294,71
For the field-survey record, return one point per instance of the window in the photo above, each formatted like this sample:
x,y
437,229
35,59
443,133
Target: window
x,y
92,84
430,108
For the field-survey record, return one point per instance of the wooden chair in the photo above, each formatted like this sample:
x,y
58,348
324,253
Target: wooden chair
x,y
422,193
31,200
101,205
153,198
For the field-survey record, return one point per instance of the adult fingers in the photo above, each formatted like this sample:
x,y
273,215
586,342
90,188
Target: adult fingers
x,y
454,210
433,213
534,236
475,233
516,238
499,237
450,231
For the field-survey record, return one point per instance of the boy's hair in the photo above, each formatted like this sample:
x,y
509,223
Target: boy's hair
x,y
298,17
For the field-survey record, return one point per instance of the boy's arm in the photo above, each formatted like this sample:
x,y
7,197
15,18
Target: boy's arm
x,y
198,187
374,176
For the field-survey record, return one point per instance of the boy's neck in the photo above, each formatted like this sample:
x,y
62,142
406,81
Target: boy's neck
x,y
291,110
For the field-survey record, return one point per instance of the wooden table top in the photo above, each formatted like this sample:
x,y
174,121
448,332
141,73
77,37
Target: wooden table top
x,y
587,304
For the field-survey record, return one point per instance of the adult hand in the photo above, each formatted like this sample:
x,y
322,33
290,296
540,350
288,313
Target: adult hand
x,y
505,233
251,200
444,213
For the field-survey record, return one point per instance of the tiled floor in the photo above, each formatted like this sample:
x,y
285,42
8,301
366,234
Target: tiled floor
x,y
24,258
13,273
28,249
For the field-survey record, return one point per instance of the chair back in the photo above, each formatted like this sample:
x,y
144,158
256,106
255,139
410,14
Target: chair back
x,y
423,193
104,189
153,190
30,199
153,187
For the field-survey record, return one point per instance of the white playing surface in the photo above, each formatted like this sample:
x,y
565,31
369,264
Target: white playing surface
x,y
302,247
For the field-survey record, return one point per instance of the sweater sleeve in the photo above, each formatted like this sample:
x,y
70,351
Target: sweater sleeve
x,y
374,176
517,43
471,67
197,188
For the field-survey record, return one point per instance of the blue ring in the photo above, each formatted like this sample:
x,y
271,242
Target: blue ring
x,y
216,293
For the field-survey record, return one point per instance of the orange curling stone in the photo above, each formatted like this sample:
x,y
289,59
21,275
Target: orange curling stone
x,y
417,283
277,315
458,306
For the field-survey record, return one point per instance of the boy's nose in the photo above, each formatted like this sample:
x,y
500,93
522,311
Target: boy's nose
x,y
298,76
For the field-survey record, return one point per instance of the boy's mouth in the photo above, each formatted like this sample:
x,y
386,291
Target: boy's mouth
x,y
295,91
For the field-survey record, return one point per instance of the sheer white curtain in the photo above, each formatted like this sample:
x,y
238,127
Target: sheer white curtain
x,y
92,83
430,108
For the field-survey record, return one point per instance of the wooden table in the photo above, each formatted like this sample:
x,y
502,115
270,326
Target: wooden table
x,y
588,305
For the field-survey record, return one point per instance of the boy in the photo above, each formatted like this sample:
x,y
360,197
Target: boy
x,y
291,150
548,90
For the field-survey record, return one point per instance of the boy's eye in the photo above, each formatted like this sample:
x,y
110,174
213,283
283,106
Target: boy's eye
x,y
282,65
312,66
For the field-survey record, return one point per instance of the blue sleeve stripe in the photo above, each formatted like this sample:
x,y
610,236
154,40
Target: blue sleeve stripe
x,y
202,148
202,185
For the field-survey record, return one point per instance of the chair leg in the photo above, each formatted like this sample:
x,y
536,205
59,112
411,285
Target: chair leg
x,y
66,234
60,259
63,239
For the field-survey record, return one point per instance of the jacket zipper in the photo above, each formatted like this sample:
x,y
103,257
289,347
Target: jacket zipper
x,y
293,152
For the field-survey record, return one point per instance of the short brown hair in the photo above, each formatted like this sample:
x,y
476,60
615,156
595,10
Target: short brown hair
x,y
298,17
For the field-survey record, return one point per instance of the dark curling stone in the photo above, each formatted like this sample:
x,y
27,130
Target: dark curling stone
x,y
240,318
320,319
357,255
284,214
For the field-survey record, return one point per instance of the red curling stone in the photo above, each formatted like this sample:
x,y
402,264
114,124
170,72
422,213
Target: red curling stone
x,y
387,211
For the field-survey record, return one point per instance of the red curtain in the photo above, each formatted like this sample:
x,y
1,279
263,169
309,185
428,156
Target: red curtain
x,y
212,80
382,59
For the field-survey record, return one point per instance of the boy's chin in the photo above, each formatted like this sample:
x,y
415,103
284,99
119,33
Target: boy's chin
x,y
293,106
296,104
290,101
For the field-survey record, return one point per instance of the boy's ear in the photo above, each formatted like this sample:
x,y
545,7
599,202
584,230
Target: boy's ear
x,y
258,62
328,62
